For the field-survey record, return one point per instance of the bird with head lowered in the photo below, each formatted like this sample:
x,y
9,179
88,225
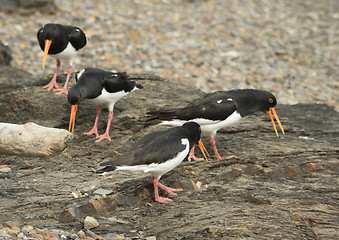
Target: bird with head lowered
x,y
221,109
103,88
158,153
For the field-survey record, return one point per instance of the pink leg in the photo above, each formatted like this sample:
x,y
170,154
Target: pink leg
x,y
95,126
106,134
192,156
156,192
64,89
216,150
53,82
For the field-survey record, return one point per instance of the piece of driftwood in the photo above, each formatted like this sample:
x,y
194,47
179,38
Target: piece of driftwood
x,y
31,139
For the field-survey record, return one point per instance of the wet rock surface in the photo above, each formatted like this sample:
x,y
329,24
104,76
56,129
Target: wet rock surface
x,y
275,188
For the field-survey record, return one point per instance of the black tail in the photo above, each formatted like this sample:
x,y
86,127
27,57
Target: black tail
x,y
139,86
123,75
106,169
162,115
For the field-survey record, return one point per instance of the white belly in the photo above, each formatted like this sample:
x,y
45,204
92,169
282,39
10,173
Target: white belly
x,y
68,55
109,99
208,126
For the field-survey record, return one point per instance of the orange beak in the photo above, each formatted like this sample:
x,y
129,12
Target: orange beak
x,y
203,149
47,46
72,118
270,112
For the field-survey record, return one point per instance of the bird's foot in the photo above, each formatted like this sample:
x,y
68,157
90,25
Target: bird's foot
x,y
93,130
173,190
50,85
195,158
61,91
170,190
102,137
223,158
163,200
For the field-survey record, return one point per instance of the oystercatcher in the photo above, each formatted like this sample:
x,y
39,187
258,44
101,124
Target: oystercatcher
x,y
62,42
103,88
158,153
221,109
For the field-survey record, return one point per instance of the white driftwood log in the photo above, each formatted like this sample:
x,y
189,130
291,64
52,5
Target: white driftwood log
x,y
31,139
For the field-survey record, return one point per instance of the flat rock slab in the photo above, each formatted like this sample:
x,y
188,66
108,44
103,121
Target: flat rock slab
x,y
276,188
31,139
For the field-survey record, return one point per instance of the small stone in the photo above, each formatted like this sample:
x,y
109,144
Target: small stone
x,y
81,234
90,223
27,229
258,200
113,236
116,220
309,167
89,233
14,232
254,169
291,171
151,238
101,191
5,235
76,194
5,170
21,236
38,236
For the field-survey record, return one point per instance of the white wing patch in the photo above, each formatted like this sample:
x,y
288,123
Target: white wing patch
x,y
80,73
229,99
219,101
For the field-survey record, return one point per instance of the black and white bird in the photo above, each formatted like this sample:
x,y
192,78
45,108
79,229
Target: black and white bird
x,y
221,109
103,88
158,153
64,43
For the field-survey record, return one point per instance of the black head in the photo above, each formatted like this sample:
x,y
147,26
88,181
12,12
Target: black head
x,y
48,31
267,99
250,101
193,132
75,95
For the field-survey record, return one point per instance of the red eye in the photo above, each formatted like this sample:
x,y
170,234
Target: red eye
x,y
270,100
78,97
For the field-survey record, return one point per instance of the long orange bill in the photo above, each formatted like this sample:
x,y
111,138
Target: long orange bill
x,y
203,149
270,112
47,46
72,118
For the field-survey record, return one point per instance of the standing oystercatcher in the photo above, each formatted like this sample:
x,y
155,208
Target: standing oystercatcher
x,y
158,153
221,109
62,42
103,88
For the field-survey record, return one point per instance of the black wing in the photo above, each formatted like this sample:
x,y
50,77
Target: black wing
x,y
76,37
212,106
154,147
116,82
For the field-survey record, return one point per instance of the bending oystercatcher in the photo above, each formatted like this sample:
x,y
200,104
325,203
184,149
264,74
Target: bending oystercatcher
x,y
221,109
158,153
103,88
62,42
